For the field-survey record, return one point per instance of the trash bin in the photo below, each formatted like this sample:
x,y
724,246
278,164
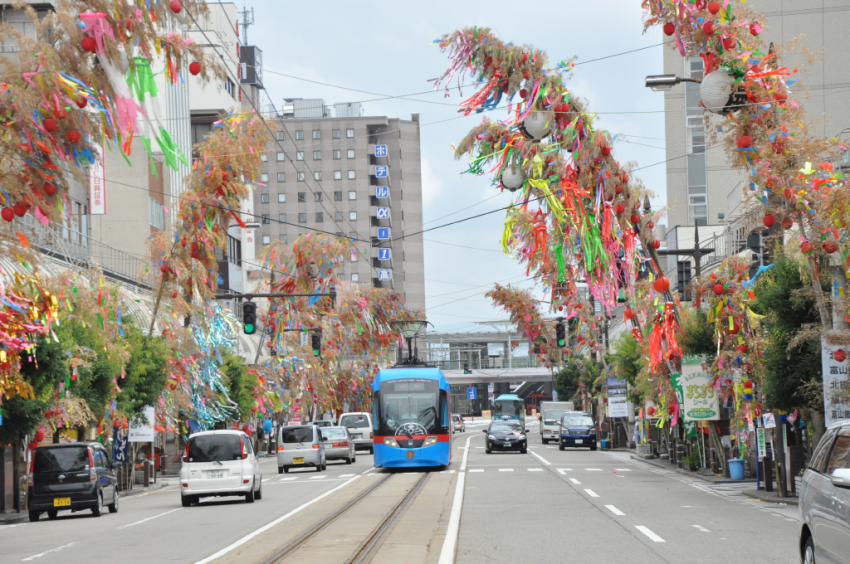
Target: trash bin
x,y
736,468
604,445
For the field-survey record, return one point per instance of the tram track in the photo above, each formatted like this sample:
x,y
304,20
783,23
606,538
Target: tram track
x,y
370,545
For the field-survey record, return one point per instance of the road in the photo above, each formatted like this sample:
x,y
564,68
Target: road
x,y
544,506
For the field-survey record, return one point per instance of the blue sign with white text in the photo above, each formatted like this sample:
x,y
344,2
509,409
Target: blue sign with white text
x,y
385,274
471,393
383,233
383,213
385,254
119,446
380,150
382,191
382,171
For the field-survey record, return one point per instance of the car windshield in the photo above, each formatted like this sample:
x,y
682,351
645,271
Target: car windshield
x,y
61,460
552,416
209,448
510,408
333,433
455,417
506,428
324,424
296,435
354,421
577,421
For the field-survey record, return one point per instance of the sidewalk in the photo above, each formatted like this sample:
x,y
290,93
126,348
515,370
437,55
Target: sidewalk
x,y
665,465
772,497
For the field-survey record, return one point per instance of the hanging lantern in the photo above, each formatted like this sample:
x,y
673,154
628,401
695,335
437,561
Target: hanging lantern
x,y
60,112
735,329
195,68
635,218
744,141
769,220
20,210
718,289
754,29
606,151
89,44
8,214
32,446
742,349
830,246
618,189
708,28
661,284
176,6
74,136
650,224
512,176
50,124
788,193
39,436
713,8
536,125
715,91
806,247
620,209
656,244
81,102
49,188
629,313
729,43
787,223
669,28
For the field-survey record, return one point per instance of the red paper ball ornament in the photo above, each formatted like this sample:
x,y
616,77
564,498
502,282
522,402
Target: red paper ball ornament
x,y
742,349
830,247
635,218
49,188
780,95
735,329
32,446
729,43
656,244
713,7
523,93
7,214
20,210
769,220
708,28
60,113
195,68
618,189
82,102
839,355
650,224
629,313
806,247
744,141
620,209
604,400
661,284
669,28
718,289
787,223
748,384
651,411
50,124
788,193
606,151
89,44
116,424
74,136
173,294
754,30
39,436
176,6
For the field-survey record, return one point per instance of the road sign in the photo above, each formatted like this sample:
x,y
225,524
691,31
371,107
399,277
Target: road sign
x,y
761,443
471,393
380,150
383,233
385,274
383,213
385,254
382,192
382,171
491,388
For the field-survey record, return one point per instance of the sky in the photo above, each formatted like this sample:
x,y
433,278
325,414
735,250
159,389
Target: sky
x,y
386,48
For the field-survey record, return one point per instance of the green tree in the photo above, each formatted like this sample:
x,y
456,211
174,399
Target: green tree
x,y
145,374
628,362
239,382
576,369
698,334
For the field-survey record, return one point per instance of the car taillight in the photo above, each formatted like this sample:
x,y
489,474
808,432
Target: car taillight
x,y
92,471
91,458
342,444
187,451
315,446
244,451
32,469
280,448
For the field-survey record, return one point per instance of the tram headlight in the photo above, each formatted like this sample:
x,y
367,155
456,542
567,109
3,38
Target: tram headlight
x,y
390,442
430,441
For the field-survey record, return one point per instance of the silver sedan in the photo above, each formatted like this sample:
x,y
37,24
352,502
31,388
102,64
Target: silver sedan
x,y
338,444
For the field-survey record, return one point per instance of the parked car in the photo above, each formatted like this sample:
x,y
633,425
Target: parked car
x,y
577,430
338,444
458,424
506,435
220,464
825,500
324,423
359,424
300,447
71,477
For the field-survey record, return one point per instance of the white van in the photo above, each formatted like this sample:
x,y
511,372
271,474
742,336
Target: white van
x,y
359,425
217,464
550,419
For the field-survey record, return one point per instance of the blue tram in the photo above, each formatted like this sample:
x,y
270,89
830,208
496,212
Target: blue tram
x,y
411,417
509,406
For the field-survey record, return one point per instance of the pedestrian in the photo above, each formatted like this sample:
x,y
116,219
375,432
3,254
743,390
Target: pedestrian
x,y
637,432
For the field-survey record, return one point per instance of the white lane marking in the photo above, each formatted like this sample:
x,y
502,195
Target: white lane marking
x,y
465,455
479,447
265,528
287,479
321,477
614,510
550,447
591,493
594,469
535,469
447,554
701,528
149,518
11,526
476,470
506,469
49,551
623,469
346,475
573,480
369,470
447,472
564,470
541,459
650,534
266,479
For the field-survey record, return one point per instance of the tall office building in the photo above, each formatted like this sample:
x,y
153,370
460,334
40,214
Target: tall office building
x,y
351,176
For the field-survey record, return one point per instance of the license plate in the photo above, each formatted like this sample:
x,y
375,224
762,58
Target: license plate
x,y
507,444
579,441
298,461
216,474
61,501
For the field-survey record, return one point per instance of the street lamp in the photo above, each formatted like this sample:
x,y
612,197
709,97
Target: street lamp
x,y
662,82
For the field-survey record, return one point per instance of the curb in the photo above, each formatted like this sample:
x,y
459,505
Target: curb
x,y
22,518
772,499
712,479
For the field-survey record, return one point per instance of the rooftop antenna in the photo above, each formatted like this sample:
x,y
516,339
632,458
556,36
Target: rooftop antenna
x,y
247,20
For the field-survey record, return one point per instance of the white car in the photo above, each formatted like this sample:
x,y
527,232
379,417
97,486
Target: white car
x,y
219,464
458,424
359,425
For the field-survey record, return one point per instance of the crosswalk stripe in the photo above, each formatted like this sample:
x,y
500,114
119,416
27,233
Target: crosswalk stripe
x,y
535,469
476,470
623,469
346,475
287,479
447,472
594,469
318,477
506,469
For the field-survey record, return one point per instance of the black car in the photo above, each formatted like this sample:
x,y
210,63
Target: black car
x,y
70,476
506,435
577,431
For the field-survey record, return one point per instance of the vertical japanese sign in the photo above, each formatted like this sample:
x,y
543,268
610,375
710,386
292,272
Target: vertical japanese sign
x,y
97,184
119,446
762,444
701,402
836,383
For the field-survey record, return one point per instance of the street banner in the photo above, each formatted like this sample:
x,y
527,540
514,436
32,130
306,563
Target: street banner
x,y
769,421
119,446
700,400
836,381
761,442
142,432
618,406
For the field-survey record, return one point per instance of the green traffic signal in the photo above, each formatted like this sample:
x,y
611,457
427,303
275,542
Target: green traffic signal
x,y
249,328
562,343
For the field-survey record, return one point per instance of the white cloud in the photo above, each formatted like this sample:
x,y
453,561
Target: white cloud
x,y
432,185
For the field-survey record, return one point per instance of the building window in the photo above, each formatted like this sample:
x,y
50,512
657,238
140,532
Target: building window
x,y
264,177
317,155
266,219
351,175
299,156
278,135
301,177
299,135
355,278
351,153
335,134
302,196
264,198
302,218
338,216
267,239
338,196
341,277
317,175
281,198
317,196
284,238
349,133
353,235
280,157
281,177
695,146
281,218
317,134
352,216
337,175
352,195
264,158
157,214
229,87
320,217
337,154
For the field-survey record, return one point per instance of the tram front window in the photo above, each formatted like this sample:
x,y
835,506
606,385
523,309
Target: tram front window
x,y
511,409
410,407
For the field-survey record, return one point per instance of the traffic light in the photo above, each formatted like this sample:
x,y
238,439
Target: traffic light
x,y
249,318
466,369
561,334
316,344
